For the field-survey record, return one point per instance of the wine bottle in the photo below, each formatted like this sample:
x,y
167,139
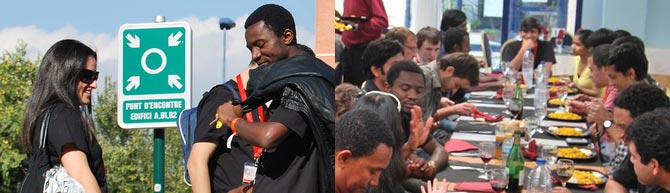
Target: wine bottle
x,y
515,165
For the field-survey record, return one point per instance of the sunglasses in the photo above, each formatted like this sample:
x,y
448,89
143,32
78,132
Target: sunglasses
x,y
397,102
88,76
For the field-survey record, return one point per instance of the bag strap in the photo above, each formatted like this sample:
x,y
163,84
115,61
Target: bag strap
x,y
44,128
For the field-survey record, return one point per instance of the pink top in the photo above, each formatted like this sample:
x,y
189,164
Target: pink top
x,y
610,94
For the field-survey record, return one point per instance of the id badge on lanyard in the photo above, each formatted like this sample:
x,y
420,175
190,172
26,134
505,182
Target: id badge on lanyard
x,y
249,172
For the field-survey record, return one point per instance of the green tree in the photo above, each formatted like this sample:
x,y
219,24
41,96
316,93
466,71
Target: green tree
x,y
128,154
16,78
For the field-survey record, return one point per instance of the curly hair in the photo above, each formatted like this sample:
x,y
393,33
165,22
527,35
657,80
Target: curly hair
x,y
345,97
650,133
276,18
399,66
629,55
641,98
361,131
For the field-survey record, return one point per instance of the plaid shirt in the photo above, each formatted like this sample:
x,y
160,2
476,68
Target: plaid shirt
x,y
619,155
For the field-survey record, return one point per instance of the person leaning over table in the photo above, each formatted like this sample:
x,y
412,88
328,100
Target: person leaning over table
x,y
407,84
636,100
648,143
632,102
585,41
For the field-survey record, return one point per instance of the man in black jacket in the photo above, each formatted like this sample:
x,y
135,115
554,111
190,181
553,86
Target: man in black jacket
x,y
298,137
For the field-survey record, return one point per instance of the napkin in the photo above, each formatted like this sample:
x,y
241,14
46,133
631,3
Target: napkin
x,y
488,118
591,187
457,145
531,151
473,187
499,93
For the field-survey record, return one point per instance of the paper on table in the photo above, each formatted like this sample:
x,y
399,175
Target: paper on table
x,y
560,143
484,93
473,136
548,123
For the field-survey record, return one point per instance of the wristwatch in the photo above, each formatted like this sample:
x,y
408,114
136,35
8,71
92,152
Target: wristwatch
x,y
607,124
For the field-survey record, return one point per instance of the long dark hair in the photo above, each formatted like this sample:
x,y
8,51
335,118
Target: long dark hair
x,y
56,82
387,108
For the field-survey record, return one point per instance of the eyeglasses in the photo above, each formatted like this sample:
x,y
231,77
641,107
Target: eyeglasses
x,y
397,102
88,76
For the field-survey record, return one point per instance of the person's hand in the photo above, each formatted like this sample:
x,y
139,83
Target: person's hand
x,y
241,189
462,108
581,98
445,102
419,130
578,107
597,113
419,168
435,187
559,189
528,43
227,112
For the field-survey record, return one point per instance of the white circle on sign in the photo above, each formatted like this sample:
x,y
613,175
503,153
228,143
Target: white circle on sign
x,y
157,187
163,61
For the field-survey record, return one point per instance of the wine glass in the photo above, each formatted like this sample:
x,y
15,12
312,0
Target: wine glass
x,y
486,150
498,178
562,94
564,170
550,153
515,107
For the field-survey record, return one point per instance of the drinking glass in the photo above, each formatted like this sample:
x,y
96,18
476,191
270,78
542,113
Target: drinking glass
x,y
498,178
562,94
550,153
486,151
515,107
564,170
504,67
532,126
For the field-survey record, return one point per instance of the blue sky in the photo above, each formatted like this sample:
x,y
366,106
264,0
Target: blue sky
x,y
96,23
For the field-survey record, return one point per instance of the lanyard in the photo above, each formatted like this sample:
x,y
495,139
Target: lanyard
x,y
261,116
537,44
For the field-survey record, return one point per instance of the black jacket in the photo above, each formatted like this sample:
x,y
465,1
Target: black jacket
x,y
304,84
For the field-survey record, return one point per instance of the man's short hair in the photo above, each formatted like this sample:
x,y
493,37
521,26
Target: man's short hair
x,y
641,98
378,52
629,55
306,50
361,131
622,33
632,39
530,23
650,133
403,65
399,33
599,37
428,33
465,66
452,18
276,18
454,36
601,55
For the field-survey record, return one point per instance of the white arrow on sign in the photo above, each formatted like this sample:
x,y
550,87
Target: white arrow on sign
x,y
134,41
173,80
134,83
173,39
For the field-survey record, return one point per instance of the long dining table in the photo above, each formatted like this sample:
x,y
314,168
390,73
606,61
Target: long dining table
x,y
464,166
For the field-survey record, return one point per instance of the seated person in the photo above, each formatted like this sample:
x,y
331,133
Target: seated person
x,y
345,97
458,40
529,30
429,40
648,144
407,38
379,56
407,84
362,150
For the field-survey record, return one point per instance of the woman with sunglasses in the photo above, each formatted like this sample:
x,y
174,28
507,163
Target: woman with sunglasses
x,y
63,85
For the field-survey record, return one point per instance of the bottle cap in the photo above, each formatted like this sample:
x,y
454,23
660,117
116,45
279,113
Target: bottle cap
x,y
540,161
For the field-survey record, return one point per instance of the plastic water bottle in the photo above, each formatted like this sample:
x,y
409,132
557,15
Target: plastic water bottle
x,y
527,67
541,92
539,179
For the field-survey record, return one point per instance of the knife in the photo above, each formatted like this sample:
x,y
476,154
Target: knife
x,y
465,168
475,131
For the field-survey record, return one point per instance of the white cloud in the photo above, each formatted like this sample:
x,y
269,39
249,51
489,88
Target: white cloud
x,y
207,48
